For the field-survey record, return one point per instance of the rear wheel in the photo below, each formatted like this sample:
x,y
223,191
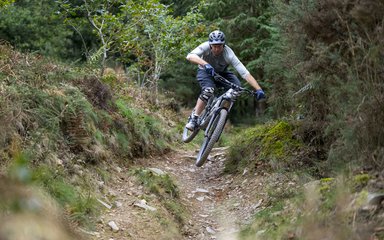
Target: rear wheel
x,y
212,136
189,135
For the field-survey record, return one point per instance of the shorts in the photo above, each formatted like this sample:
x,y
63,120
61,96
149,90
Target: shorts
x,y
205,80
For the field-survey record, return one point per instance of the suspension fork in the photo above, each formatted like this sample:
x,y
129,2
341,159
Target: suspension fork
x,y
227,105
223,105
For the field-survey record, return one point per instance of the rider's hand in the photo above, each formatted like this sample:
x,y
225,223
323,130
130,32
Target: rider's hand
x,y
259,94
209,69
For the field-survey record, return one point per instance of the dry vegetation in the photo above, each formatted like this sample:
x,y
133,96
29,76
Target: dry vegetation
x,y
63,130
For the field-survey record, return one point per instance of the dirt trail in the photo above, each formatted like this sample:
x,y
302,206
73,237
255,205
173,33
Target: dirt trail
x,y
216,202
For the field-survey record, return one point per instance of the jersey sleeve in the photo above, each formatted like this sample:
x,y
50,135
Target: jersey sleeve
x,y
236,63
200,50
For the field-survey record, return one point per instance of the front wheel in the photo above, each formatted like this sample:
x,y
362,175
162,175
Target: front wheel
x,y
212,136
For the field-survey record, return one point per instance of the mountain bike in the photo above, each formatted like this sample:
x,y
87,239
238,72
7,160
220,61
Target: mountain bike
x,y
212,120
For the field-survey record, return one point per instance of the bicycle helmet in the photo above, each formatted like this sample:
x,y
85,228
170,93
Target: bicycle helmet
x,y
216,37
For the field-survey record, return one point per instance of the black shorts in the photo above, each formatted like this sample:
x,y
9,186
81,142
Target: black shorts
x,y
205,80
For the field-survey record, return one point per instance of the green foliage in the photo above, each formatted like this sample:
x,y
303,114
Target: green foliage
x,y
103,17
147,133
329,207
19,170
180,7
361,180
331,68
180,82
36,28
144,35
56,114
162,39
4,3
278,141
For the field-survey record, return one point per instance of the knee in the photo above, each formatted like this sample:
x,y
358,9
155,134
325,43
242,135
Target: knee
x,y
206,94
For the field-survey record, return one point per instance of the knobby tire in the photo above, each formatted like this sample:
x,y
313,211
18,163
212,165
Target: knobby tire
x,y
189,135
212,136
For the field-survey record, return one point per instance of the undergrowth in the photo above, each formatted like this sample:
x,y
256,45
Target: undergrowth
x,y
164,187
301,203
61,126
272,145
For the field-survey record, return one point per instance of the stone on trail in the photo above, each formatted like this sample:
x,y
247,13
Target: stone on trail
x,y
143,204
157,171
210,230
113,226
104,204
201,190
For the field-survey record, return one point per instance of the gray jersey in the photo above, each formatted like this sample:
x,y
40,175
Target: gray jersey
x,y
221,62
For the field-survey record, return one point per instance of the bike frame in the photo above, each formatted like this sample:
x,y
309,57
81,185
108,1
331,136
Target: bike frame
x,y
214,118
215,106
225,100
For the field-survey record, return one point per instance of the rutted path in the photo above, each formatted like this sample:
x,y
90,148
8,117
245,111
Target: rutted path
x,y
217,202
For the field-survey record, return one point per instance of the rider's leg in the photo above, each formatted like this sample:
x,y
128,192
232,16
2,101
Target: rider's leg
x,y
200,105
207,85
205,95
207,89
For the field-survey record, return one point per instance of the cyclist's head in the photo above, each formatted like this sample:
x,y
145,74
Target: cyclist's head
x,y
216,37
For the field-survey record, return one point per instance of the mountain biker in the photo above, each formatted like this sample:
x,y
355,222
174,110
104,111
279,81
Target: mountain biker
x,y
214,56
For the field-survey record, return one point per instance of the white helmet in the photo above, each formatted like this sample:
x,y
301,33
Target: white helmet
x,y
216,37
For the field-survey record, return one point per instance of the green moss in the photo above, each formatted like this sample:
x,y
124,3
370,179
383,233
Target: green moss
x,y
326,185
110,79
326,180
278,141
362,179
273,142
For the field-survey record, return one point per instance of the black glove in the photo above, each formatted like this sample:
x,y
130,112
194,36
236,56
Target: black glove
x,y
209,69
259,94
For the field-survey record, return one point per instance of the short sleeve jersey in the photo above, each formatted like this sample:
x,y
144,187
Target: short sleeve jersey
x,y
222,61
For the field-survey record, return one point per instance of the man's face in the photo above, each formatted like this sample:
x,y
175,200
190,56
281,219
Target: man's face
x,y
217,49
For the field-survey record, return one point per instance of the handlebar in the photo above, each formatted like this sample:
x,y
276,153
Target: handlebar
x,y
220,78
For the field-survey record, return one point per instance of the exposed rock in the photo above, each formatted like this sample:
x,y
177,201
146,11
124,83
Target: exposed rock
x,y
113,226
143,204
157,171
210,230
201,190
200,199
118,204
104,204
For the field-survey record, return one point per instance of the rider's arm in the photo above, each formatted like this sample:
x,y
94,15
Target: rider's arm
x,y
252,81
241,69
195,56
